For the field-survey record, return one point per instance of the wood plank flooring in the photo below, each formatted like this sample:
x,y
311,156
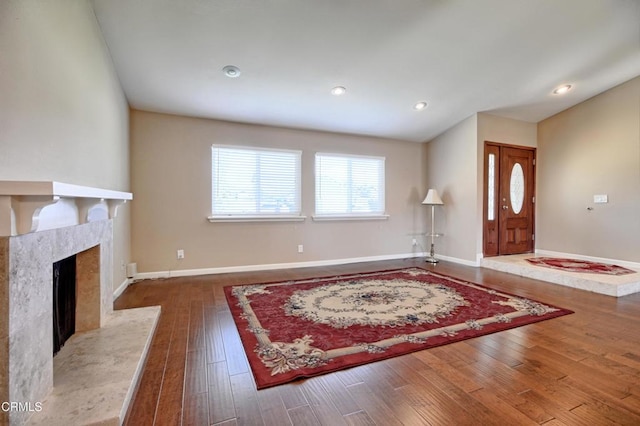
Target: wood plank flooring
x,y
580,369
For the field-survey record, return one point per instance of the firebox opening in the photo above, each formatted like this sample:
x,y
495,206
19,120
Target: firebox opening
x,y
64,301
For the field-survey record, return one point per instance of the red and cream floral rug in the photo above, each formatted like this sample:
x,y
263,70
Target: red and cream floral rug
x,y
309,327
575,265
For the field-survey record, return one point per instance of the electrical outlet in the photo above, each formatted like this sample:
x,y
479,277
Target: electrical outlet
x,y
300,248
180,254
414,242
601,199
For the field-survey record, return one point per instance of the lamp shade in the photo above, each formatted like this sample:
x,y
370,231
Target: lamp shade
x,y
432,198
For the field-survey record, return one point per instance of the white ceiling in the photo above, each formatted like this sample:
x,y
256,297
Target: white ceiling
x,y
462,56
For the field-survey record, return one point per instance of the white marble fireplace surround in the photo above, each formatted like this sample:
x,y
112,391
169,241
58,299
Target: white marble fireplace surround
x,y
92,379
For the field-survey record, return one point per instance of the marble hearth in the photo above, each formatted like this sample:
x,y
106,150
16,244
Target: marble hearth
x,y
611,285
92,378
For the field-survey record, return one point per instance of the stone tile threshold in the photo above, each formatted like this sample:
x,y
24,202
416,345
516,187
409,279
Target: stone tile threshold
x,y
611,285
96,372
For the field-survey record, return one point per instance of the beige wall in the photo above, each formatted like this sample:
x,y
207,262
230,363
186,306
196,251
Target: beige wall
x,y
452,170
171,180
63,115
506,130
592,148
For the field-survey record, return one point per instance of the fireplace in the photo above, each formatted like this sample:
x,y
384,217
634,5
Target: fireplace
x,y
29,300
64,301
91,379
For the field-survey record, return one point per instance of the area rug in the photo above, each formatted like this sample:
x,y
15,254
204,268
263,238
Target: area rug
x,y
575,265
309,327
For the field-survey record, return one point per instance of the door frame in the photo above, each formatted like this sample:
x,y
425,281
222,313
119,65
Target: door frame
x,y
491,229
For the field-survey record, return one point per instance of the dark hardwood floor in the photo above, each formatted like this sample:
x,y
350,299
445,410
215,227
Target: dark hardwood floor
x,y
580,369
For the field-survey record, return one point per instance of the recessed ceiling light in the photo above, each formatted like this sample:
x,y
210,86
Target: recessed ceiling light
x,y
338,90
420,105
562,89
231,71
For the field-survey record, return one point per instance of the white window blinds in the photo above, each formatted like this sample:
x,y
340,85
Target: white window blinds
x,y
255,181
349,185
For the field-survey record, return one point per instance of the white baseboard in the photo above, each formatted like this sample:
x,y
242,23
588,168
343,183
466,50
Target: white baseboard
x,y
121,288
458,260
624,263
266,267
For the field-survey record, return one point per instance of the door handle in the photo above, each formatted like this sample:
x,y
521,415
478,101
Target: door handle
x,y
505,207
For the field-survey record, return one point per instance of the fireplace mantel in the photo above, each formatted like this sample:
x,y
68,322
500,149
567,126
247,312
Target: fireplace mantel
x,y
22,204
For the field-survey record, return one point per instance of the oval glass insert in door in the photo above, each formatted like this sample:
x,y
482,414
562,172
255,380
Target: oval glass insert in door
x,y
516,188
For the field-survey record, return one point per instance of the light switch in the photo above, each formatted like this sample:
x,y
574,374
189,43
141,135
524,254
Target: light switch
x,y
601,199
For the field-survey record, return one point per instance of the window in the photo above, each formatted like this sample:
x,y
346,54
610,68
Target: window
x,y
254,183
491,190
349,186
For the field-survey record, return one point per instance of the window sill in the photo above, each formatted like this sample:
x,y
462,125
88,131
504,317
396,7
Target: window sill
x,y
322,218
257,218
